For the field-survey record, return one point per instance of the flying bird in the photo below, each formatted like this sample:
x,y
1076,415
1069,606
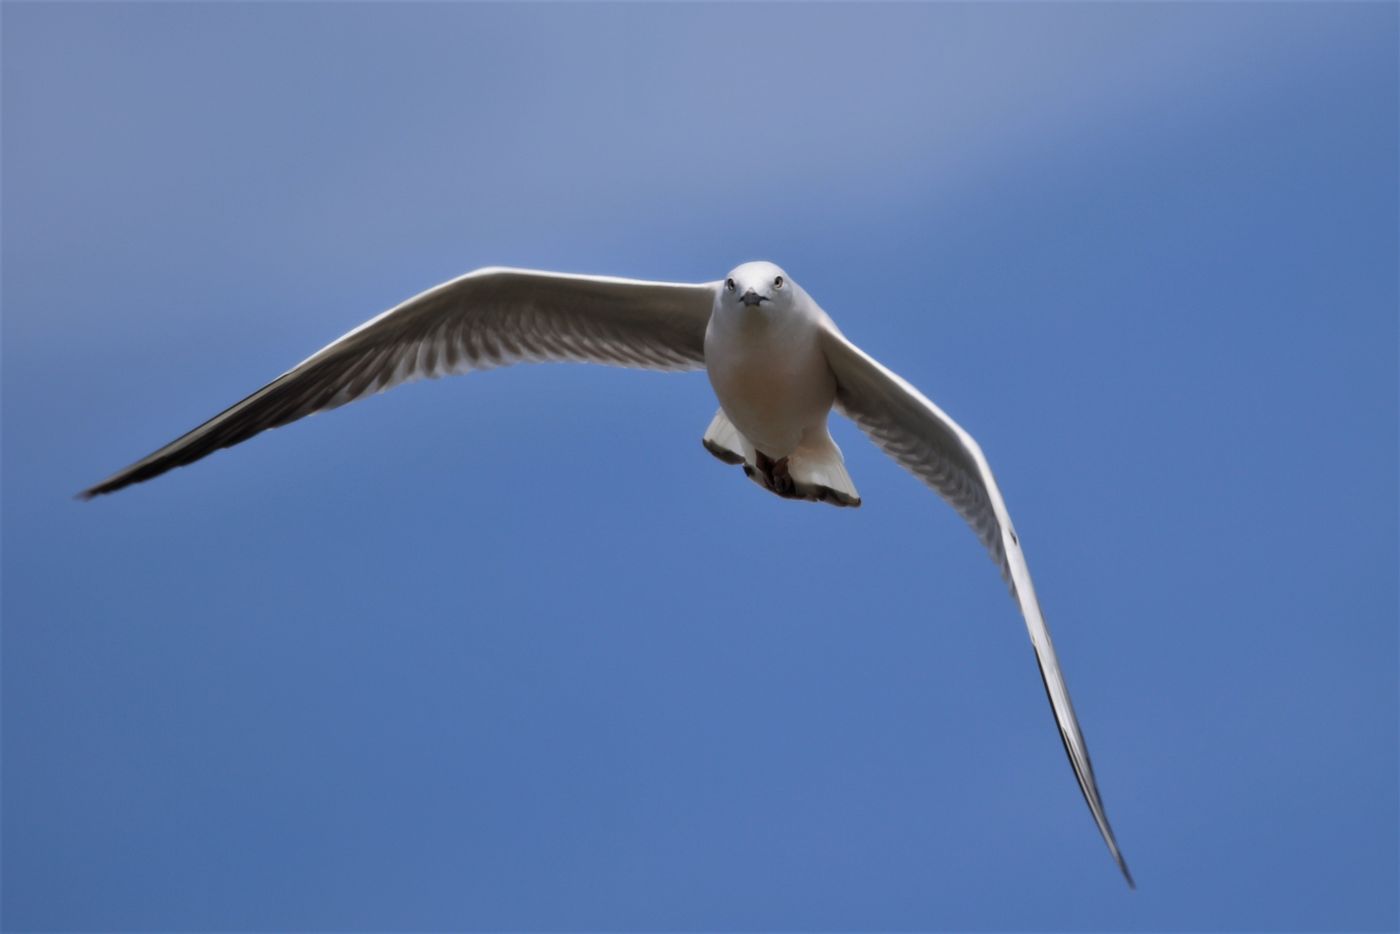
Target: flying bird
x,y
776,361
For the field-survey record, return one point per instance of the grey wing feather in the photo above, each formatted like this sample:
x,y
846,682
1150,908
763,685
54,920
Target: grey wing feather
x,y
930,445
487,318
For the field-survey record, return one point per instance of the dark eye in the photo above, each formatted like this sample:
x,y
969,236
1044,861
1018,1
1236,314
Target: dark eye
x,y
778,282
729,284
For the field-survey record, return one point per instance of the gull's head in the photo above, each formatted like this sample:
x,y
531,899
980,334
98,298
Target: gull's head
x,y
757,286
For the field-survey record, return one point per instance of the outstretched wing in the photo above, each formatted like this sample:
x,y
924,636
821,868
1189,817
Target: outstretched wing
x,y
490,317
933,447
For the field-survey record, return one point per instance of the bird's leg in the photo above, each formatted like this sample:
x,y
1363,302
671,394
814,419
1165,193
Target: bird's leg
x,y
775,474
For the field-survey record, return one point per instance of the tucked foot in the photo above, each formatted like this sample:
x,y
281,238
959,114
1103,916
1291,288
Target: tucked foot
x,y
775,475
783,483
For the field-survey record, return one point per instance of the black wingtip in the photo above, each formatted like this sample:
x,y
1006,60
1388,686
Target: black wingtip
x,y
1123,867
110,485
93,492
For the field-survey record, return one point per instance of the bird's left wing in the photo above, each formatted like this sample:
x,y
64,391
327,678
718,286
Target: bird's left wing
x,y
933,447
490,317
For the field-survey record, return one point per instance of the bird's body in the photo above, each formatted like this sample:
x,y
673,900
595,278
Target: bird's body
x,y
778,366
768,369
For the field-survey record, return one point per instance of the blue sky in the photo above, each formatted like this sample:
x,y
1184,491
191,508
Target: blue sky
x,y
510,651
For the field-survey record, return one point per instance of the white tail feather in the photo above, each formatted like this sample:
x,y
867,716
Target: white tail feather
x,y
816,467
723,440
819,471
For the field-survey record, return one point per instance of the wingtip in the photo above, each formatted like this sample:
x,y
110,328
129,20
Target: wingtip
x,y
93,492
1127,875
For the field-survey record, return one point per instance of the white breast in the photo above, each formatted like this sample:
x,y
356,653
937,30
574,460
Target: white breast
x,y
769,373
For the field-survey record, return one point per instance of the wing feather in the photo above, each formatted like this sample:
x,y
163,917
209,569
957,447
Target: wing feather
x,y
933,447
487,318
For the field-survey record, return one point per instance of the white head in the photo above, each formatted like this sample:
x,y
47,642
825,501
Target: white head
x,y
758,285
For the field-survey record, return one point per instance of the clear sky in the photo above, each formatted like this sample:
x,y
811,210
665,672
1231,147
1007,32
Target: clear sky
x,y
511,651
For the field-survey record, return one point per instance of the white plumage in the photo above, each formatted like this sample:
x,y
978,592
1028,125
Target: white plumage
x,y
776,361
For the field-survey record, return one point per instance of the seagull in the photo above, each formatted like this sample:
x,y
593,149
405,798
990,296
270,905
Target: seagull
x,y
776,361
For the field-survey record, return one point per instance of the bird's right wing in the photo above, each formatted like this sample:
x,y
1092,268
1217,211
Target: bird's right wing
x,y
490,317
936,449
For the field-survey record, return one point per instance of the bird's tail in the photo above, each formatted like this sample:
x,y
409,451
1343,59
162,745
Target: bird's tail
x,y
817,468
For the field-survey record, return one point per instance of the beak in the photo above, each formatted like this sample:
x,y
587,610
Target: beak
x,y
751,297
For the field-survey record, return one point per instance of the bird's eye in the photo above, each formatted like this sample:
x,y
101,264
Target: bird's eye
x,y
729,284
778,282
